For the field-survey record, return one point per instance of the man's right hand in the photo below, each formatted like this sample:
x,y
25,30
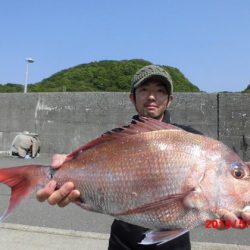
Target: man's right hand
x,y
62,196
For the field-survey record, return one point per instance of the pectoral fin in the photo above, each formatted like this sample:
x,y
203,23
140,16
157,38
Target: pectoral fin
x,y
160,237
195,199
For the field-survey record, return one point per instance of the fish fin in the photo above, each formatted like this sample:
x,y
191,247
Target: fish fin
x,y
142,125
87,146
22,181
146,124
161,237
196,200
165,201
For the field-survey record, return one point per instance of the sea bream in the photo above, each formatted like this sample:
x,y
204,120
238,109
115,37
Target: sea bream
x,y
150,174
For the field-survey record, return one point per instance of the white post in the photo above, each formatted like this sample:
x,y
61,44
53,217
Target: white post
x,y
28,60
26,77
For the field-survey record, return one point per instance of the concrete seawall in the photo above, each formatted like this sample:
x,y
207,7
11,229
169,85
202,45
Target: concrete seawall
x,y
65,121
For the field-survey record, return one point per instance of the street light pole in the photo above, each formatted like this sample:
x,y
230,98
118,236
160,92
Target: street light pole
x,y
28,60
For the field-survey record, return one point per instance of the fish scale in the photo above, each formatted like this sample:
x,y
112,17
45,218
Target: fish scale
x,y
147,182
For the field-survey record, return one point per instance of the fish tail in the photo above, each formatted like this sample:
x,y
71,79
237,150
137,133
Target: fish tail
x,y
22,181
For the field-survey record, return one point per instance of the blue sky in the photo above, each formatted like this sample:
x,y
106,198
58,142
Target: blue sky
x,y
208,40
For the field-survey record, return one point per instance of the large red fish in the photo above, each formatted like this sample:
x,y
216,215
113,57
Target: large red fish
x,y
150,174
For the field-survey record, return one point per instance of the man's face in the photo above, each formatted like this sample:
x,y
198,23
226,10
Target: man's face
x,y
151,99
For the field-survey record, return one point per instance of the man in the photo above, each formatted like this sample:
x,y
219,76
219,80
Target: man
x,y
25,144
151,94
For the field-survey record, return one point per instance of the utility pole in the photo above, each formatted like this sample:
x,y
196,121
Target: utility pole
x,y
28,60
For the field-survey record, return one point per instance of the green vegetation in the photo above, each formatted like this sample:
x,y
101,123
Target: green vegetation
x,y
105,75
11,88
247,90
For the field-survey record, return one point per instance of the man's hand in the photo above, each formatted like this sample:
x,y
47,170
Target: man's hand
x,y
232,221
64,195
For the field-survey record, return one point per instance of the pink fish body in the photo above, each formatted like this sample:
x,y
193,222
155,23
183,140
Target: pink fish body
x,y
150,174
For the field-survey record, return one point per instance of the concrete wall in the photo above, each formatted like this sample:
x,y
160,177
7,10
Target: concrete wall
x,y
65,121
234,122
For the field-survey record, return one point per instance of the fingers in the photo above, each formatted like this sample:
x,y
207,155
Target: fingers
x,y
58,160
245,215
44,193
230,216
62,197
231,220
73,196
57,196
221,224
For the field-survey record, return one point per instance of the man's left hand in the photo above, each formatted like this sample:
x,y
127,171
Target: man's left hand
x,y
232,221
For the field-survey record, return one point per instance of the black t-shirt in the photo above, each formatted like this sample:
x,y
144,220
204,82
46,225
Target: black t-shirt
x,y
125,236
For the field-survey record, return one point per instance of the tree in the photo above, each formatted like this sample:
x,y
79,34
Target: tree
x,y
106,75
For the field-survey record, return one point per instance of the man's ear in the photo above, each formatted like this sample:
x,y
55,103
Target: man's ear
x,y
170,99
132,98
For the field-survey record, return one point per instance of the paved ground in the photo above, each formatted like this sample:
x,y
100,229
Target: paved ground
x,y
20,237
35,225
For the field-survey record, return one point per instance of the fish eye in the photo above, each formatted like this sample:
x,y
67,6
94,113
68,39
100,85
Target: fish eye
x,y
238,172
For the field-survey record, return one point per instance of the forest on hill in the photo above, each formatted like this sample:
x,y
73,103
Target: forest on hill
x,y
107,75
247,90
102,76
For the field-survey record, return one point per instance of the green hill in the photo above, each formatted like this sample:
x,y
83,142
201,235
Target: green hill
x,y
247,90
108,75
11,88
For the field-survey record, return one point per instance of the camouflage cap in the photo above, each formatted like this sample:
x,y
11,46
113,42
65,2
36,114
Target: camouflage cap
x,y
152,71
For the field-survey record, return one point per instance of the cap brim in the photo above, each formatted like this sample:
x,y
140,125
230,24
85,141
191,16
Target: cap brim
x,y
160,78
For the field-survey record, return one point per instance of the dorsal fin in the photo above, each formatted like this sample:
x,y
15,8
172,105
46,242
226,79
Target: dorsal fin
x,y
142,125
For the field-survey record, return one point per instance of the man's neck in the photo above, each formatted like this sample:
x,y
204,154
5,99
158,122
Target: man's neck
x,y
164,118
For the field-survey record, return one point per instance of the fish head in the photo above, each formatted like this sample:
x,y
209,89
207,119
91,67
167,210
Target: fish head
x,y
237,181
226,186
